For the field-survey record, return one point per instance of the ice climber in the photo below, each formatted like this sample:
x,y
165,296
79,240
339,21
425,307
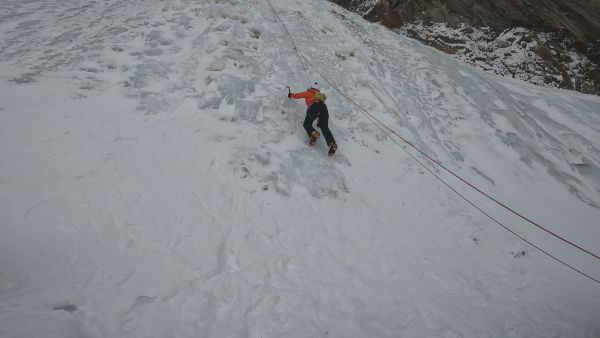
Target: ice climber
x,y
315,101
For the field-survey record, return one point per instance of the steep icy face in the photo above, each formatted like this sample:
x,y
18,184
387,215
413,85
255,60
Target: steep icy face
x,y
545,59
158,182
563,35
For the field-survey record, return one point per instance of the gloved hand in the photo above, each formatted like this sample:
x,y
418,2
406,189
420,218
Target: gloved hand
x,y
290,95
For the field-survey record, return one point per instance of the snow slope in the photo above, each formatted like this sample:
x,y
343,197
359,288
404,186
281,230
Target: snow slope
x,y
155,181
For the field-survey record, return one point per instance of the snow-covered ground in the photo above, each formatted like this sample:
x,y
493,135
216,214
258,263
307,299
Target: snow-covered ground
x,y
155,181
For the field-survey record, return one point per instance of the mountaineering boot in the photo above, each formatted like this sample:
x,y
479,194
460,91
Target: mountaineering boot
x,y
332,149
313,138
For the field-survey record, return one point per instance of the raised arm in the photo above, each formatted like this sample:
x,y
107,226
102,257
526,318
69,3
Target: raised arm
x,y
301,95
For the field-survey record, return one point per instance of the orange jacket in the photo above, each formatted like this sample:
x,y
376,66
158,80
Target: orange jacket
x,y
308,96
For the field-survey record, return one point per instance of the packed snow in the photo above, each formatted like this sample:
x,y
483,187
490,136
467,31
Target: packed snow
x,y
156,180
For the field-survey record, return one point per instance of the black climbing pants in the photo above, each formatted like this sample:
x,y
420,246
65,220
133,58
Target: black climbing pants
x,y
318,110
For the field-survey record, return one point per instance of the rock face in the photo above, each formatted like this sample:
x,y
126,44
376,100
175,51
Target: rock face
x,y
558,39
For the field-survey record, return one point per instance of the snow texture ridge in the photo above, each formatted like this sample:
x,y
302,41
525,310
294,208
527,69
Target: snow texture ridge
x,y
156,182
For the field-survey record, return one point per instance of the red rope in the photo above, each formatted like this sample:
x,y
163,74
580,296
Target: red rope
x,y
459,177
293,43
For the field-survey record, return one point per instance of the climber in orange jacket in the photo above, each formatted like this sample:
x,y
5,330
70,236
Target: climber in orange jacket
x,y
315,101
